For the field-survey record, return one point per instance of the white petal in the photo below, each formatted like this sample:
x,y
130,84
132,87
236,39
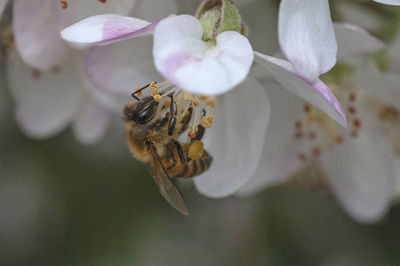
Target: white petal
x,y
389,2
279,160
361,172
36,32
394,54
107,28
236,139
121,67
307,37
316,93
91,121
184,59
354,43
45,102
377,85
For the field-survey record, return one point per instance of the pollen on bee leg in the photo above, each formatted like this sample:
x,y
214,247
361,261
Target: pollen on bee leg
x,y
196,150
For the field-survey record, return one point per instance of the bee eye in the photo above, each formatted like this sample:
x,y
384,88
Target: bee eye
x,y
144,111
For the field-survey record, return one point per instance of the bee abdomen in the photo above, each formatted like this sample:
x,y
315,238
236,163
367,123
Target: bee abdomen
x,y
195,167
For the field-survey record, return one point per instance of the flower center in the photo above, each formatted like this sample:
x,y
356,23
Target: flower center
x,y
315,132
200,106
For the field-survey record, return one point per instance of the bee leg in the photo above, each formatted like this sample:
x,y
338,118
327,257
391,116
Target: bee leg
x,y
181,153
173,109
199,134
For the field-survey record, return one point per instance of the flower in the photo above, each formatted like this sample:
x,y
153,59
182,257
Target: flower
x,y
212,63
358,161
45,75
389,2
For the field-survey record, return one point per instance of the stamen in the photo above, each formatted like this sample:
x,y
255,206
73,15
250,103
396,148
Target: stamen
x,y
157,98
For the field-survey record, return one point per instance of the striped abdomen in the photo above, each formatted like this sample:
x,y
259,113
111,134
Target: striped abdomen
x,y
176,168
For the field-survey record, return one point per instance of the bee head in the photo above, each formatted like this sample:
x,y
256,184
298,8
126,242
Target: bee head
x,y
141,112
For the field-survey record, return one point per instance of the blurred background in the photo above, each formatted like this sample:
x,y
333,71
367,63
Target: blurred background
x,y
62,203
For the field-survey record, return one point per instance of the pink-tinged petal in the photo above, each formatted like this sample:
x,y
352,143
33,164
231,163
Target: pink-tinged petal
x,y
183,58
107,28
354,43
361,171
120,67
45,101
241,114
306,36
389,2
279,160
36,32
316,93
91,121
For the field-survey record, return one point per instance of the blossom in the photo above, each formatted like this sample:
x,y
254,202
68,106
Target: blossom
x,y
360,161
45,76
389,2
204,62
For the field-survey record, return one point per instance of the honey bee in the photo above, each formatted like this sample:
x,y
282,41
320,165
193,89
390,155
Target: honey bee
x,y
153,139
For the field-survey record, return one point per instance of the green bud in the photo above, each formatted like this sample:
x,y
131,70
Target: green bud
x,y
217,16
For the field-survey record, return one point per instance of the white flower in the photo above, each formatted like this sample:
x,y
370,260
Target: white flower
x,y
45,76
389,2
360,161
188,62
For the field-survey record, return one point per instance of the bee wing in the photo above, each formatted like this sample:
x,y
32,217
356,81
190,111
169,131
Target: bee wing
x,y
164,183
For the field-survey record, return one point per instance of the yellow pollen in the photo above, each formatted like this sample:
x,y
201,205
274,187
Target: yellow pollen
x,y
196,150
167,103
211,101
157,98
153,86
206,122
196,102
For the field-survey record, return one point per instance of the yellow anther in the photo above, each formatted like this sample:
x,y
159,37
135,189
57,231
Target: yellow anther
x,y
157,98
138,93
206,122
153,86
196,150
211,101
191,134
196,102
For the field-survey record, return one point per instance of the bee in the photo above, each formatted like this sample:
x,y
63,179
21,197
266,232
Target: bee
x,y
153,139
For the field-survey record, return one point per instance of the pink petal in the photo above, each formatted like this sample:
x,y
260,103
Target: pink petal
x,y
107,28
316,93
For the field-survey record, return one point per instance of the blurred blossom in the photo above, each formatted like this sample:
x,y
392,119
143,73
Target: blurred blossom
x,y
361,161
389,2
45,76
206,60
